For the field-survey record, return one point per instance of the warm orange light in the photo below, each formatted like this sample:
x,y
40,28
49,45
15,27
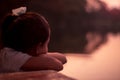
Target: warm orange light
x,y
111,4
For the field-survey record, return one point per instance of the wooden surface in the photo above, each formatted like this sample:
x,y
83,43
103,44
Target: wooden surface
x,y
35,75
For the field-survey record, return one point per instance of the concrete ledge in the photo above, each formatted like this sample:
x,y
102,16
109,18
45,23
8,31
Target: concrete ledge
x,y
34,75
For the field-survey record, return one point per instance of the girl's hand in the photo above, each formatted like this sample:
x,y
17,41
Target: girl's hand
x,y
58,56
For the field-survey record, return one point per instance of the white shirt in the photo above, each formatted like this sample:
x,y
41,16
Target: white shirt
x,y
11,60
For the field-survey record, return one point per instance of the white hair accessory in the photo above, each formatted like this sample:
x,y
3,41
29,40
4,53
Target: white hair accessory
x,y
19,11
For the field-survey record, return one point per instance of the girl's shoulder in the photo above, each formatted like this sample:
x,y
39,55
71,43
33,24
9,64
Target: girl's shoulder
x,y
12,60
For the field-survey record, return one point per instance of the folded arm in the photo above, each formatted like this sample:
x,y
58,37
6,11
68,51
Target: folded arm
x,y
58,56
42,62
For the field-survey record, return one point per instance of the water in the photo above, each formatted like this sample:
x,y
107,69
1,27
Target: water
x,y
102,64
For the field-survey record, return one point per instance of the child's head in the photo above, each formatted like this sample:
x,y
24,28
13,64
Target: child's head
x,y
25,32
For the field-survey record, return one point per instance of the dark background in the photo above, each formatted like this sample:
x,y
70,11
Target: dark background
x,y
69,21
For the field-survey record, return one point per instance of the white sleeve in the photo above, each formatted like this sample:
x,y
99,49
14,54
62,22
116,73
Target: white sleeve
x,y
13,60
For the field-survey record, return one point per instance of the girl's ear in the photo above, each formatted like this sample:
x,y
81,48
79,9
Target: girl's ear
x,y
42,48
39,48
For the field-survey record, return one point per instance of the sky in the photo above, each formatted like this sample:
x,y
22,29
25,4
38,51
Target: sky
x,y
94,5
111,4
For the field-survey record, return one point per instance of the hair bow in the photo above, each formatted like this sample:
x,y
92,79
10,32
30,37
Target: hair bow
x,y
19,11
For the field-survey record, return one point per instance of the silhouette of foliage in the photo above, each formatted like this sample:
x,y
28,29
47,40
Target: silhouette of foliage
x,y
69,21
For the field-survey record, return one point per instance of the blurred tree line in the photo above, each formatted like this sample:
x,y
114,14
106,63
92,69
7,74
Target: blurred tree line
x,y
69,21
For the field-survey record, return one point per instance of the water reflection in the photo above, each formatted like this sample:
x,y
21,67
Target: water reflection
x,y
94,41
102,64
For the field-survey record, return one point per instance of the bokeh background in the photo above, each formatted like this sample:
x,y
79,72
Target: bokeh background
x,y
74,23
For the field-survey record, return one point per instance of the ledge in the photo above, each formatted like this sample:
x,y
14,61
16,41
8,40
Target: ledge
x,y
35,75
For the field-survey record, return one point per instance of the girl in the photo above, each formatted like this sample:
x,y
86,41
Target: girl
x,y
25,38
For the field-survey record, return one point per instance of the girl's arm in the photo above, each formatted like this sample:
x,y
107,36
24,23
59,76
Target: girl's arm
x,y
58,56
42,62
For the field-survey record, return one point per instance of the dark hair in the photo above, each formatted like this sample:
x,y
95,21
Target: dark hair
x,y
24,31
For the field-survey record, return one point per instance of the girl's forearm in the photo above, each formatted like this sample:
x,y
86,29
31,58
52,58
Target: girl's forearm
x,y
58,56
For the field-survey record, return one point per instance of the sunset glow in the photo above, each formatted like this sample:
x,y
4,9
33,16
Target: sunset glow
x,y
92,5
112,4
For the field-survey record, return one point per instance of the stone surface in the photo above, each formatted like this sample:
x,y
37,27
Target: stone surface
x,y
34,75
